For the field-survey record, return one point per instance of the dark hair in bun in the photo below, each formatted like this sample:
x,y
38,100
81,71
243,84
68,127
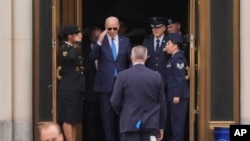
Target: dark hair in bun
x,y
62,35
68,30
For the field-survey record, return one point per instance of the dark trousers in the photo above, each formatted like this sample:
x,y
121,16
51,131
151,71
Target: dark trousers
x,y
176,120
109,118
92,129
142,135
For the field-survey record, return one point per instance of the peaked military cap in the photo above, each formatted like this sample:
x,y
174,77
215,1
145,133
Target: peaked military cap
x,y
71,29
156,22
175,37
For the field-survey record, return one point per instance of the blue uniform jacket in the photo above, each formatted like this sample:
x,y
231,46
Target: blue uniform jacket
x,y
176,83
157,60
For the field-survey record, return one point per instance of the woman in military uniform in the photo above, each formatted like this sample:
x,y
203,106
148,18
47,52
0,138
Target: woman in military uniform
x,y
71,81
177,89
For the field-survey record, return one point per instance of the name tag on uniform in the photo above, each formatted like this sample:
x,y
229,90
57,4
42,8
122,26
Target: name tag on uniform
x,y
168,65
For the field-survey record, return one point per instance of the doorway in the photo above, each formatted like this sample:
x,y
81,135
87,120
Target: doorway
x,y
89,13
135,15
50,15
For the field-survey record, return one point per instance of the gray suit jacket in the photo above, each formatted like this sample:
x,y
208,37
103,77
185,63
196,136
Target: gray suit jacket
x,y
138,95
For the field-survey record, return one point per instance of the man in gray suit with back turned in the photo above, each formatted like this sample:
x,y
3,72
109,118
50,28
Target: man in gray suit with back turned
x,y
138,97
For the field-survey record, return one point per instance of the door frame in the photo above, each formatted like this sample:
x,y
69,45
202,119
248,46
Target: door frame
x,y
64,13
70,14
205,125
199,26
69,11
192,69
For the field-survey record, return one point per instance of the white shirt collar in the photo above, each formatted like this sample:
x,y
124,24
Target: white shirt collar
x,y
68,43
116,37
161,38
138,63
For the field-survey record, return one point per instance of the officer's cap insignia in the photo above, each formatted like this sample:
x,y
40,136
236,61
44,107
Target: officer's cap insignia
x,y
180,66
65,53
170,21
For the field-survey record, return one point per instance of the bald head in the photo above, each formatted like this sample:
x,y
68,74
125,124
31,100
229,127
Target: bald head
x,y
139,54
50,132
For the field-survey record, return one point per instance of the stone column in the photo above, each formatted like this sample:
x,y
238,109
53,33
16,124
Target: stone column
x,y
22,70
244,61
6,70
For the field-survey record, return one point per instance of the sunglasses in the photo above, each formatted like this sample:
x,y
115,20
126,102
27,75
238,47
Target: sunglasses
x,y
114,28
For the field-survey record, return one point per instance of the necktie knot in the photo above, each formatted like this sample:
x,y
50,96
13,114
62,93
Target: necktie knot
x,y
157,43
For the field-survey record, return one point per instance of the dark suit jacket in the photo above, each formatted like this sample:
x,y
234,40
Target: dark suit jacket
x,y
139,94
157,60
176,83
104,79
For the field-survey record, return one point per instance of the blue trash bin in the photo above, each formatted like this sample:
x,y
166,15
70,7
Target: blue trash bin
x,y
222,134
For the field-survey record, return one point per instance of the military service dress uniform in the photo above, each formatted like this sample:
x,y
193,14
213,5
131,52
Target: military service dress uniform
x,y
157,58
177,87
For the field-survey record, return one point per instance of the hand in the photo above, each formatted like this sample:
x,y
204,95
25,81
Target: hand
x,y
160,136
101,36
78,37
59,68
176,100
